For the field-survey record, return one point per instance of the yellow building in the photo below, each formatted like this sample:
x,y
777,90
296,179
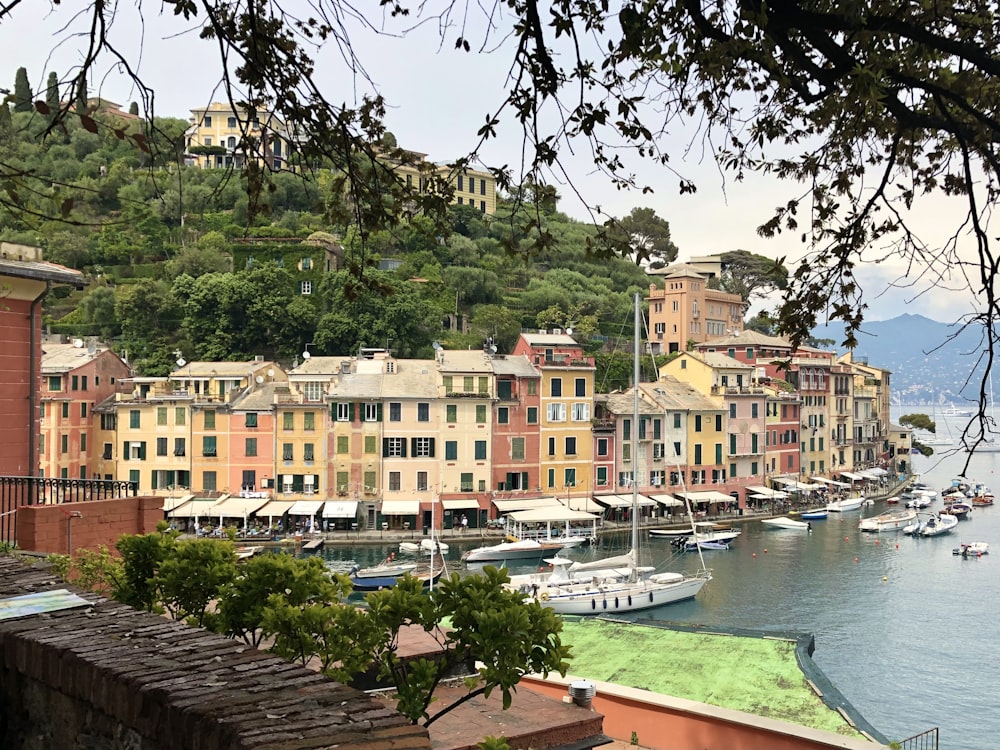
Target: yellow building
x,y
215,138
566,401
473,187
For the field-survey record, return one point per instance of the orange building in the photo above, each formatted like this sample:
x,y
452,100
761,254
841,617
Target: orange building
x,y
685,310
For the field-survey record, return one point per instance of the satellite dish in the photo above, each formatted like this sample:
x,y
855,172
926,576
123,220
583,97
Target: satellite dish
x,y
493,349
569,331
306,354
270,373
78,343
436,345
181,362
260,379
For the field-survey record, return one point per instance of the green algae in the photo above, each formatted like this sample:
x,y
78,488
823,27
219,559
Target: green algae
x,y
756,675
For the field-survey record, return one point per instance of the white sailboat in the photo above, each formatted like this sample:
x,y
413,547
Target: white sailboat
x,y
617,584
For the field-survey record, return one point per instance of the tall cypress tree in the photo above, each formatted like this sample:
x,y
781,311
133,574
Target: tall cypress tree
x,y
4,118
133,108
81,93
23,98
52,93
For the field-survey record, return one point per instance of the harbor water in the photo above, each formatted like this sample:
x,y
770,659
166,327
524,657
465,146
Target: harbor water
x,y
906,630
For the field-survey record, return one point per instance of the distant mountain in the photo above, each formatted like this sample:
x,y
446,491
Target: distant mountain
x,y
931,362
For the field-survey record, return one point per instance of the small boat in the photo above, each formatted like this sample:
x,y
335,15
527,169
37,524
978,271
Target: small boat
x,y
972,549
958,509
704,531
424,546
525,549
983,500
919,502
937,525
813,515
244,553
783,522
845,504
892,520
713,545
380,576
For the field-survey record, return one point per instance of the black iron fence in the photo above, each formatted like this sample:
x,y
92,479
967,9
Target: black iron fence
x,y
924,741
18,491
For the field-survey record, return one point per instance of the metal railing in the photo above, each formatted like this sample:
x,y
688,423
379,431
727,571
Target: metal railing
x,y
19,491
924,741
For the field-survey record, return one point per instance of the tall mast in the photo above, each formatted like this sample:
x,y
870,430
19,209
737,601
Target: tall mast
x,y
635,428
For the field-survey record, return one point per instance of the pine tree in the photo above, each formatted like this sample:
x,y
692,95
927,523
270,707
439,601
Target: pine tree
x,y
133,108
23,98
52,93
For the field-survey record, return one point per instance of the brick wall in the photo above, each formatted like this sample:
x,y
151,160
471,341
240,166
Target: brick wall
x,y
111,677
50,528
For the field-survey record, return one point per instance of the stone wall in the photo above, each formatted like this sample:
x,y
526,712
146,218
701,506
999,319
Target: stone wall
x,y
54,528
107,676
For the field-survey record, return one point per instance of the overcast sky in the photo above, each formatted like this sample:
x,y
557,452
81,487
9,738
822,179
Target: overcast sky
x,y
438,99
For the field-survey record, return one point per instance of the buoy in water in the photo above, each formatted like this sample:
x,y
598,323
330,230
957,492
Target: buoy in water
x,y
885,578
876,542
765,550
846,538
855,559
754,554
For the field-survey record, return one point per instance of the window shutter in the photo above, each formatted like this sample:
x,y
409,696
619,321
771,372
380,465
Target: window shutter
x,y
142,451
350,411
385,447
125,450
432,447
378,412
524,480
402,447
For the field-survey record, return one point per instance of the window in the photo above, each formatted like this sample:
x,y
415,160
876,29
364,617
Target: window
x,y
569,477
343,482
602,447
208,481
754,410
421,481
208,138
451,450
251,419
313,391
552,446
309,421
64,444
161,446
106,455
306,264
555,387
602,476
446,381
231,122
581,386
482,187
697,422
309,452
503,415
517,449
250,449
466,482
532,415
480,413
371,444
344,443
288,420
135,450
83,443
532,387
395,485
371,485
76,383
480,450
210,419
626,451
345,412
550,476
571,446
83,410
161,415
484,385
134,419
556,412
626,429
373,412
395,411
55,383
287,452
423,412
208,447
451,413
468,383
732,411
207,121
133,476
423,447
581,412
394,447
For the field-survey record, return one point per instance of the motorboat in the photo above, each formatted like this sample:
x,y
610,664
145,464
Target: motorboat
x,y
938,525
713,545
813,515
891,520
920,501
424,546
380,576
958,509
524,549
783,522
972,549
584,588
704,531
845,504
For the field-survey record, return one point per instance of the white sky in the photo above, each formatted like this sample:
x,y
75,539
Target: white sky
x,y
438,99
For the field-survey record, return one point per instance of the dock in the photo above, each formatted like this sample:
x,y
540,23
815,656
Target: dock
x,y
312,545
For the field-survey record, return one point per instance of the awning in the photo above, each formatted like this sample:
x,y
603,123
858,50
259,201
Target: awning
x,y
707,497
761,491
305,508
340,509
621,501
459,504
512,506
772,495
786,481
198,507
878,471
668,501
852,477
400,507
831,482
169,503
275,509
237,507
581,503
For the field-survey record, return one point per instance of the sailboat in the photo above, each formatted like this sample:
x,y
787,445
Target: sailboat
x,y
615,584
